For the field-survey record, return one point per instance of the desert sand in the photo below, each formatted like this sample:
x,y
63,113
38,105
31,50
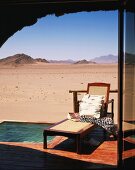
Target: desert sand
x,y
40,92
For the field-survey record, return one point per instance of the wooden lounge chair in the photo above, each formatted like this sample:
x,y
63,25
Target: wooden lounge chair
x,y
78,130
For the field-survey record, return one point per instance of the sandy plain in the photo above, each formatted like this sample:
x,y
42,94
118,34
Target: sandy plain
x,y
40,92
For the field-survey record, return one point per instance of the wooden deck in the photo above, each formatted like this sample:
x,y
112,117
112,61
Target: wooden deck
x,y
59,155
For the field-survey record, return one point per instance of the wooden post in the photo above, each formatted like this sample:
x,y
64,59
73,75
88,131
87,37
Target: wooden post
x,y
75,101
112,109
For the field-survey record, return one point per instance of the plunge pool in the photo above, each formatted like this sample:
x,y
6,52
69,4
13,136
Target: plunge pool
x,y
22,132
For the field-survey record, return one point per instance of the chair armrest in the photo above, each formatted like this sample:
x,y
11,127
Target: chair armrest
x,y
77,91
113,91
111,101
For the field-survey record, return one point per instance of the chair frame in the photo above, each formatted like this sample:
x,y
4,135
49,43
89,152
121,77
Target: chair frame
x,y
80,134
100,84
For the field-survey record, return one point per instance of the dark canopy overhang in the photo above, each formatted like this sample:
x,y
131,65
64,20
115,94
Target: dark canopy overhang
x,y
13,2
16,14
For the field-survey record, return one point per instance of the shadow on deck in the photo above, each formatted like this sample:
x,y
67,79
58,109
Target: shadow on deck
x,y
25,158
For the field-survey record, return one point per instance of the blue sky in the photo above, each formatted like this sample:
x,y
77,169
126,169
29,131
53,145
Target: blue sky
x,y
83,35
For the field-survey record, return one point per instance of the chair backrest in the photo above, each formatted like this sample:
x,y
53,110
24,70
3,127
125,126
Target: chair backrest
x,y
99,88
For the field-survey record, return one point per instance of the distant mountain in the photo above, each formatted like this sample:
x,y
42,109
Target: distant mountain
x,y
41,60
62,61
20,59
84,62
17,59
106,59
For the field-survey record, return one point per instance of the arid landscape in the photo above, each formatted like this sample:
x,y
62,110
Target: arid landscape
x,y
39,91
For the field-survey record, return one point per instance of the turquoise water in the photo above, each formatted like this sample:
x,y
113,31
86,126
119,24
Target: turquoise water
x,y
22,132
132,136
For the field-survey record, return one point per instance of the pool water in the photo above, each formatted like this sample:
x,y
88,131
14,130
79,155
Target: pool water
x,y
22,132
132,137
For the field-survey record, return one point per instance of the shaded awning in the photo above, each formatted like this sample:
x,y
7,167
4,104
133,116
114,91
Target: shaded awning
x,y
53,1
16,14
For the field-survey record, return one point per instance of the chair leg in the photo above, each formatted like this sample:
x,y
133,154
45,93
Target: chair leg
x,y
45,141
78,144
104,133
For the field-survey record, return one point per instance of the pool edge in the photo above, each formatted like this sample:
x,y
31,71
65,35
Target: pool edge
x,y
21,121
